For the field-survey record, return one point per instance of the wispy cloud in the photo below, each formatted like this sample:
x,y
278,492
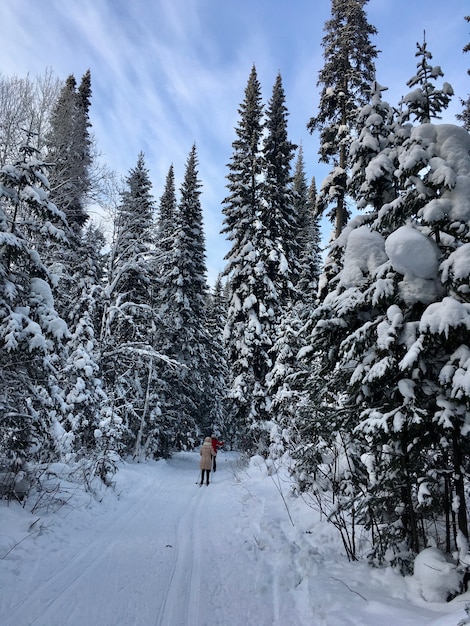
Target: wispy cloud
x,y
168,73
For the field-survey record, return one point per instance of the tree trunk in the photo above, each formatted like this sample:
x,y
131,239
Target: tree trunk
x,y
341,214
140,433
459,487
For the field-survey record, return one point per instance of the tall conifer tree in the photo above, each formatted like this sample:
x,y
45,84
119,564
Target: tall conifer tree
x,y
280,216
182,311
128,318
263,264
246,339
345,79
68,147
309,237
218,417
389,415
31,331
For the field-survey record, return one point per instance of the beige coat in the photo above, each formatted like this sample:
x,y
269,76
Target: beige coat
x,y
206,452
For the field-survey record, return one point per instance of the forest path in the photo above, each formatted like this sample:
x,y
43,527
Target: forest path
x,y
170,553
162,551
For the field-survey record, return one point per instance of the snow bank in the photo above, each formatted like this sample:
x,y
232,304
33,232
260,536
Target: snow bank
x,y
245,551
437,577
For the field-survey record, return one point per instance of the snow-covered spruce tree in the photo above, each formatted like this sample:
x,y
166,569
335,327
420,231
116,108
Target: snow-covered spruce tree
x,y
301,202
166,228
78,269
425,102
246,340
286,219
69,150
260,221
327,456
288,375
399,313
328,453
218,417
127,330
379,382
309,239
464,117
165,264
373,154
407,361
85,405
345,79
324,456
281,384
31,331
282,221
183,289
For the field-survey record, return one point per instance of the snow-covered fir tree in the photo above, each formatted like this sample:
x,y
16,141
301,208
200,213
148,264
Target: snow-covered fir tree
x,y
264,260
127,328
373,153
425,102
285,218
345,83
464,116
281,219
69,150
246,339
32,333
186,394
389,431
218,418
309,237
166,228
86,415
86,410
165,264
344,79
288,375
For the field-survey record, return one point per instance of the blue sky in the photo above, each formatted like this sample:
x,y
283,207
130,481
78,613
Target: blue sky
x,y
168,73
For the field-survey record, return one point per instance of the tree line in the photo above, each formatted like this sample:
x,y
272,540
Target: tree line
x,y
352,365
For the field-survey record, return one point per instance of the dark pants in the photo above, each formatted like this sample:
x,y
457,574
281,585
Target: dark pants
x,y
214,462
208,472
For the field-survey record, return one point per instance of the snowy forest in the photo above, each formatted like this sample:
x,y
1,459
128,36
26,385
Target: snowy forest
x,y
348,360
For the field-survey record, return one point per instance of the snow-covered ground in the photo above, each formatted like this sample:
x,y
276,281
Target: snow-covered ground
x,y
159,550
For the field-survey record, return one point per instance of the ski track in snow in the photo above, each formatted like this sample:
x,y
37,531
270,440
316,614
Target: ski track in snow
x,y
181,599
164,560
55,582
167,552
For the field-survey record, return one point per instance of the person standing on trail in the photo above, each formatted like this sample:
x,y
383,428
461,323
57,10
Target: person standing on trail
x,y
215,444
206,452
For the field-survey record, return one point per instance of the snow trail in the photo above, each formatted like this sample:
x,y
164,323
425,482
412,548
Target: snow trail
x,y
162,556
181,598
161,551
110,569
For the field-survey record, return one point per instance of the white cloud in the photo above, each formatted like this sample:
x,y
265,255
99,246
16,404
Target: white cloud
x,y
168,73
